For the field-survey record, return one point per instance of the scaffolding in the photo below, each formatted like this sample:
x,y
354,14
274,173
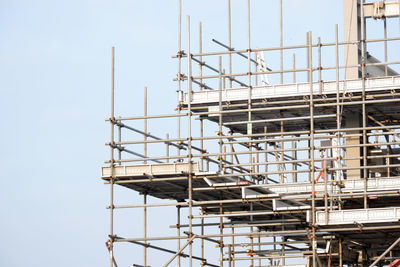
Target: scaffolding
x,y
303,172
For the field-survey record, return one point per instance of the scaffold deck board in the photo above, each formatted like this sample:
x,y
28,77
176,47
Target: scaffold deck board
x,y
373,184
291,90
146,170
170,180
358,216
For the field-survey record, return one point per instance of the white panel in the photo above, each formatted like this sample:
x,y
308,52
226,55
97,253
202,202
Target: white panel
x,y
390,9
373,185
150,169
278,205
290,90
358,216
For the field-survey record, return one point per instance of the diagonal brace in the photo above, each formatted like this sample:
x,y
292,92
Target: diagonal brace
x,y
386,252
179,251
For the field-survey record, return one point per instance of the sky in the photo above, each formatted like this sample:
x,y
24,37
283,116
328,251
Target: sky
x,y
55,60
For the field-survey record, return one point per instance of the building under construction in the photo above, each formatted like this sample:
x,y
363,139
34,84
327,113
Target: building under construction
x,y
303,172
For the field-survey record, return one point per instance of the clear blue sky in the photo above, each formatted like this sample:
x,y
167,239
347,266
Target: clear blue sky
x,y
54,86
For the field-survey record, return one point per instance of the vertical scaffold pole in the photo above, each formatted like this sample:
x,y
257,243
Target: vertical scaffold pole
x,y
178,228
294,68
281,39
200,52
112,164
189,146
145,195
179,75
202,233
145,124
167,147
340,253
221,239
338,113
230,40
233,246
364,115
312,169
259,248
251,237
386,45
319,66
266,156
249,125
201,88
338,109
310,178
145,229
119,142
294,144
220,141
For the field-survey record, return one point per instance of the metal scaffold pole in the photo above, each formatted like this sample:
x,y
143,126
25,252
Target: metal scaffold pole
x,y
230,39
112,164
179,74
364,115
281,38
190,189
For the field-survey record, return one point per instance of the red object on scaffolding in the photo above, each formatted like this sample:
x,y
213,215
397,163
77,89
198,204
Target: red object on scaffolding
x,y
395,263
321,174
